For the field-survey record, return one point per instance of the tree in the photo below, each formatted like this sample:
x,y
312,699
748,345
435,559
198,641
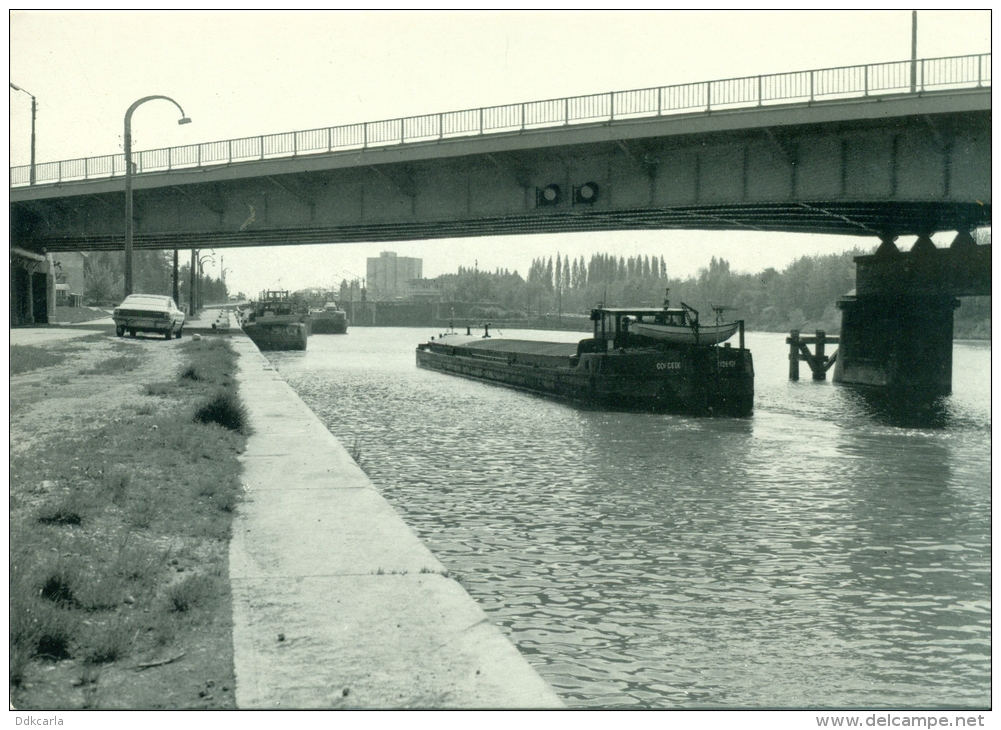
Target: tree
x,y
104,280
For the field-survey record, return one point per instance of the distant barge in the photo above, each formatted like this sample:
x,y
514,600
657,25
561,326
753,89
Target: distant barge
x,y
331,320
675,366
276,322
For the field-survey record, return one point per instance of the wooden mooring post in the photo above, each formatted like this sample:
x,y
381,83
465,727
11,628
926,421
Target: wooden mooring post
x,y
818,361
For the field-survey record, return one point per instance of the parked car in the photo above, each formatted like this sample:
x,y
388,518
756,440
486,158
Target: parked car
x,y
148,313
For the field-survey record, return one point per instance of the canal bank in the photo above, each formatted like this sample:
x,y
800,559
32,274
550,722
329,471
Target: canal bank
x,y
336,602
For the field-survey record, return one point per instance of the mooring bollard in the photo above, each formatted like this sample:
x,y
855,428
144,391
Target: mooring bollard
x,y
793,340
819,371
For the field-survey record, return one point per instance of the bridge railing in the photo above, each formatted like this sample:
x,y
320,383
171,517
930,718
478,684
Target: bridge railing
x,y
843,82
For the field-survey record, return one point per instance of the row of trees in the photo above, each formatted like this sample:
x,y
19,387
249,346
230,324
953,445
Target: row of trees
x,y
574,275
104,277
801,296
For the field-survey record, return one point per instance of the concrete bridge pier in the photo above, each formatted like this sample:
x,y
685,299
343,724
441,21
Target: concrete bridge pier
x,y
897,326
897,342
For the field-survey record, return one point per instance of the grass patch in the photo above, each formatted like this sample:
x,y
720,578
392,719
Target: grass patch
x,y
116,482
78,314
109,641
161,389
113,365
67,510
143,508
225,409
187,594
24,358
57,589
104,535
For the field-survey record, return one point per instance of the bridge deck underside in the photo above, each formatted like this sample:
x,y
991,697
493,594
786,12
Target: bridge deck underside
x,y
833,218
771,170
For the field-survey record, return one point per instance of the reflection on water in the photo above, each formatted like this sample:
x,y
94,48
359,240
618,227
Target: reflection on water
x,y
904,409
817,554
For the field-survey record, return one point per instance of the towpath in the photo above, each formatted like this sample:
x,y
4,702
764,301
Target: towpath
x,y
336,602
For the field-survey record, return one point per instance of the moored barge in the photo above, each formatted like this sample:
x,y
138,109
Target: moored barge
x,y
686,373
276,322
330,320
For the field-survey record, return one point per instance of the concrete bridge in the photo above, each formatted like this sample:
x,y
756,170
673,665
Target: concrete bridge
x,y
875,150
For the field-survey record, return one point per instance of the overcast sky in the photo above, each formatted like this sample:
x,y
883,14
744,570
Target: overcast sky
x,y
245,73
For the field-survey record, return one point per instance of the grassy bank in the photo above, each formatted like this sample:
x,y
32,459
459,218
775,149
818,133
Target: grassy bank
x,y
74,315
119,585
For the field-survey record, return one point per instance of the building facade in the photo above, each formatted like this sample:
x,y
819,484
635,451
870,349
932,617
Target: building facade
x,y
387,277
32,287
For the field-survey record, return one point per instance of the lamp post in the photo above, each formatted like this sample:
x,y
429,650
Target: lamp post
x,y
177,285
128,180
201,264
34,107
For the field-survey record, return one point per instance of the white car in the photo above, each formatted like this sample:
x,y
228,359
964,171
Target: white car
x,y
148,313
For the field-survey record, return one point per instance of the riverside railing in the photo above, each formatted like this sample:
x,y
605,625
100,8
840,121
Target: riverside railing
x,y
844,82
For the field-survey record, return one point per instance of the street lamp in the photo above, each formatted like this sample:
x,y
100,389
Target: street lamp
x,y
193,270
34,106
201,264
128,180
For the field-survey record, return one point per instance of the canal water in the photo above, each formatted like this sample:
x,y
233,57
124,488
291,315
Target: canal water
x,y
830,551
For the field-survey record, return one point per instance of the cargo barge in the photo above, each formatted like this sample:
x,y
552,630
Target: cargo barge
x,y
676,367
276,322
330,320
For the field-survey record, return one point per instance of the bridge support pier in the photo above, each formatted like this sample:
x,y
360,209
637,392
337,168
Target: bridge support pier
x,y
897,342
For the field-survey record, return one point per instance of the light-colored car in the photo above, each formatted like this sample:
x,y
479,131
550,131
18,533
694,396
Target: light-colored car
x,y
148,313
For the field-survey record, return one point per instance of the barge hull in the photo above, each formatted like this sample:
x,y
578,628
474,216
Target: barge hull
x,y
320,326
708,381
288,336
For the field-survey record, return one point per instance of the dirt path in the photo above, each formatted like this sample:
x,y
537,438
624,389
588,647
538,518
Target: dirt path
x,y
67,397
68,421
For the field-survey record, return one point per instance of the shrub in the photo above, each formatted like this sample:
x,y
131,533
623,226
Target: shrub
x,y
67,511
58,589
116,483
143,509
39,629
190,592
109,642
114,365
160,389
36,627
99,591
225,409
140,564
161,626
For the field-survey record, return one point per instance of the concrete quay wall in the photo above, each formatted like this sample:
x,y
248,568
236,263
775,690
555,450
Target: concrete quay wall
x,y
336,602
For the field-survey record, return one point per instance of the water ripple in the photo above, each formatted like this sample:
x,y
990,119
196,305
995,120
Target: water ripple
x,y
819,554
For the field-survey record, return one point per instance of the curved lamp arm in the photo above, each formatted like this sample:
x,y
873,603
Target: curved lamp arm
x,y
128,179
128,124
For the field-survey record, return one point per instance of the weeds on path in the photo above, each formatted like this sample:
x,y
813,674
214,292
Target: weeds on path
x,y
118,541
